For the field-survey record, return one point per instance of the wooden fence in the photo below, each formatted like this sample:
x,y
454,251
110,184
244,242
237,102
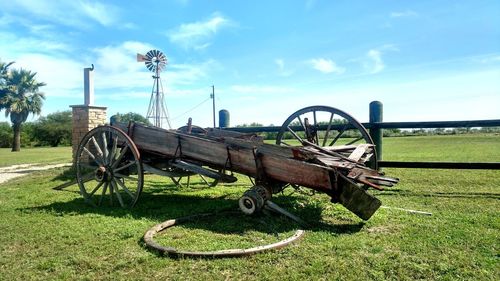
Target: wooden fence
x,y
376,125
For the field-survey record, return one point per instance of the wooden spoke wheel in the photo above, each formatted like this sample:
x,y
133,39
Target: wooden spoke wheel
x,y
193,130
323,126
185,180
326,127
109,168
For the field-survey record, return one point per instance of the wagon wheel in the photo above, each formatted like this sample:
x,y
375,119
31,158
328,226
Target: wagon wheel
x,y
109,167
324,126
187,182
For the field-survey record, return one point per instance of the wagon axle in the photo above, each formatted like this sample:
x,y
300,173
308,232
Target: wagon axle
x,y
102,174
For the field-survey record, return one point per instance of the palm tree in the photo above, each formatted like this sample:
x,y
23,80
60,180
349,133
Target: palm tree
x,y
19,96
4,70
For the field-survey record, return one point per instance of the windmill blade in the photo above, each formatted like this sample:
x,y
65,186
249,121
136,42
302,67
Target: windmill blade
x,y
150,65
155,60
151,54
141,58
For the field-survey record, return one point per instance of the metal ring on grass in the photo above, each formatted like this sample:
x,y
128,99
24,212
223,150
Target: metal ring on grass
x,y
153,245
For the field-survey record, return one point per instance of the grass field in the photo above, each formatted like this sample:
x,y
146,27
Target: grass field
x,y
46,234
41,155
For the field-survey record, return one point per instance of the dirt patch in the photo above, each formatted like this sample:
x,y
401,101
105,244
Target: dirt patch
x,y
10,172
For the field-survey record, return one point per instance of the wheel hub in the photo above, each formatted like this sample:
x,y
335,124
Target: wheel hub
x,y
101,174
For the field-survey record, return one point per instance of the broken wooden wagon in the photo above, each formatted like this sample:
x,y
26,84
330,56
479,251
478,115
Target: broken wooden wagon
x,y
332,156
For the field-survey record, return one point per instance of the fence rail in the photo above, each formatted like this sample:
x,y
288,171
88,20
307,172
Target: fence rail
x,y
376,126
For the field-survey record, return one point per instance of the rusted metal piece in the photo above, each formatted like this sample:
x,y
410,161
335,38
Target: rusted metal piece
x,y
170,251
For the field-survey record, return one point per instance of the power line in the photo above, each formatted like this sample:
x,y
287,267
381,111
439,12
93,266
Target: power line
x,y
190,110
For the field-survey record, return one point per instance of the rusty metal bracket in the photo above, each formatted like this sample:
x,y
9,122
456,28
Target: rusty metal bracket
x,y
178,149
260,175
130,129
228,163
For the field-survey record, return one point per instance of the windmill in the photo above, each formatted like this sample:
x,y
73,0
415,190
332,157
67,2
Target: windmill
x,y
156,61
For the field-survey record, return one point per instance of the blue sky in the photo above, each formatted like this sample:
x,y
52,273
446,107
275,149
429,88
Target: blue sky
x,y
425,60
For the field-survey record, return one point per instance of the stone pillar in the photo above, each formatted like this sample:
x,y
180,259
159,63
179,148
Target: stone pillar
x,y
85,118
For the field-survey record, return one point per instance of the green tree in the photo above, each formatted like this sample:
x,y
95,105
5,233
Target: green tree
x,y
19,96
5,134
53,130
131,116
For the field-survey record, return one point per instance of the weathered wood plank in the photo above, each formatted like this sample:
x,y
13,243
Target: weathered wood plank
x,y
359,152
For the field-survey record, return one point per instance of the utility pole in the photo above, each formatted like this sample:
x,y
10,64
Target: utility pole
x,y
213,102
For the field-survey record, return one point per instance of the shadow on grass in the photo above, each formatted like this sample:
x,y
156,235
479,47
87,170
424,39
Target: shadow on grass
x,y
467,195
159,202
161,207
69,174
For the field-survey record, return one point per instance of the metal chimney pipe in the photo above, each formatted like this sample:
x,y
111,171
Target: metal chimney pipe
x,y
88,85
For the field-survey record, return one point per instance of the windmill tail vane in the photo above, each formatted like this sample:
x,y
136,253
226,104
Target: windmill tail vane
x,y
156,62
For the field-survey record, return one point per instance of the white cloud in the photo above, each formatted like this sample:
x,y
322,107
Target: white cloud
x,y
14,46
326,66
373,61
102,13
376,64
198,35
489,59
282,70
404,14
68,13
63,76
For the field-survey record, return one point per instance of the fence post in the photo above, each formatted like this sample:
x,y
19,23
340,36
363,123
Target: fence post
x,y
376,115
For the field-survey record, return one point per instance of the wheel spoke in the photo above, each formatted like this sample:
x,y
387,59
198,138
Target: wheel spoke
x,y
117,192
125,166
295,135
98,148
177,181
355,140
114,149
111,194
204,179
117,161
118,175
301,123
105,147
337,137
96,188
122,185
328,130
103,193
316,127
92,156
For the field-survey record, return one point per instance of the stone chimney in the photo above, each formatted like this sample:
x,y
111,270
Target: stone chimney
x,y
86,116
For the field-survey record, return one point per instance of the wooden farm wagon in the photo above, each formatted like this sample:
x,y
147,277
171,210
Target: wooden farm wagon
x,y
319,148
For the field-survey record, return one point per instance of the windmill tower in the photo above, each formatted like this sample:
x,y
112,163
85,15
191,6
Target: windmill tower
x,y
156,61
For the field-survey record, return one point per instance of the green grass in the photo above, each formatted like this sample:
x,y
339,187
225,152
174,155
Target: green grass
x,y
46,234
459,148
35,155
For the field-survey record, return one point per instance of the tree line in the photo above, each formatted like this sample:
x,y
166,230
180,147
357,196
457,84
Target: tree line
x,y
54,129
